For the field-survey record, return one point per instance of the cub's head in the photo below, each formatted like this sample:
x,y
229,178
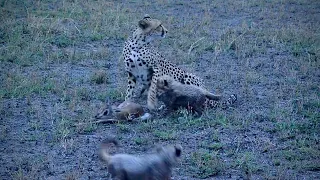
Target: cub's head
x,y
164,82
170,153
151,28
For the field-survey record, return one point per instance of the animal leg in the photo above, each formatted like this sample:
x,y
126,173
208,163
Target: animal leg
x,y
145,87
131,86
147,81
152,100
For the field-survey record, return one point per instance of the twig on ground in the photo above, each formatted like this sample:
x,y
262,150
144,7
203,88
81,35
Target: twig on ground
x,y
232,43
194,45
98,122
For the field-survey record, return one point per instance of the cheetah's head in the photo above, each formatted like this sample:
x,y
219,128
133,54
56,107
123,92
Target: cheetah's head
x,y
151,29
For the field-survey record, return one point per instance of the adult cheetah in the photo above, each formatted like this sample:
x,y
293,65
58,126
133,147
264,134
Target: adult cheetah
x,y
145,64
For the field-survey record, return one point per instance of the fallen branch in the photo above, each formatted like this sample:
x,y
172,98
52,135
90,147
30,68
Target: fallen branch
x,y
98,122
143,118
232,43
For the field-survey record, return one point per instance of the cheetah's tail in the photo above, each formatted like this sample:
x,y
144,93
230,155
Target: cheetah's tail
x,y
221,103
231,100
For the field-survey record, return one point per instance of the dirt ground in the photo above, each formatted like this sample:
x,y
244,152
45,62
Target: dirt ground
x,y
60,60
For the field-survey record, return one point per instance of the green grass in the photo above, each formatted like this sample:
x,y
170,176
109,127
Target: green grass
x,y
18,85
63,129
124,128
246,162
165,135
55,34
140,141
99,77
206,164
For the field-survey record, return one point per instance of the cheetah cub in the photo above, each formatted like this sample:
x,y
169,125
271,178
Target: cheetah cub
x,y
149,166
175,94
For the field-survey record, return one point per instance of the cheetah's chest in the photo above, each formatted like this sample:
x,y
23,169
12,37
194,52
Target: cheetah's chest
x,y
138,67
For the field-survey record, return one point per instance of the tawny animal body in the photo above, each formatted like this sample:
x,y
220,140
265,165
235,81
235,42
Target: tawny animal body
x,y
125,111
146,167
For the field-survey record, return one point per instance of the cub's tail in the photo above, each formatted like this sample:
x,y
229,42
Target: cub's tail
x,y
104,154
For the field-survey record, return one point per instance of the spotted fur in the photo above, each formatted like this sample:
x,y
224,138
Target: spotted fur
x,y
145,64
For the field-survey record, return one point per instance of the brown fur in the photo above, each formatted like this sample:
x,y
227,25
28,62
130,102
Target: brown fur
x,y
124,111
146,167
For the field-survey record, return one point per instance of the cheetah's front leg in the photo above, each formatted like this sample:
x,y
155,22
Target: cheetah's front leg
x,y
152,100
131,86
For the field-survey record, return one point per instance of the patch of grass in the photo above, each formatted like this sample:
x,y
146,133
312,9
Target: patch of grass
x,y
222,120
88,128
165,135
114,94
3,132
191,122
205,165
63,129
62,41
35,124
28,167
99,77
72,175
84,94
299,41
19,174
124,128
146,127
17,86
141,141
184,119
293,158
310,165
96,36
31,33
294,128
212,146
247,163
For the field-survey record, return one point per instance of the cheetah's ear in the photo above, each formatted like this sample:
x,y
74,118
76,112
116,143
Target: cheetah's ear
x,y
143,24
178,149
146,16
